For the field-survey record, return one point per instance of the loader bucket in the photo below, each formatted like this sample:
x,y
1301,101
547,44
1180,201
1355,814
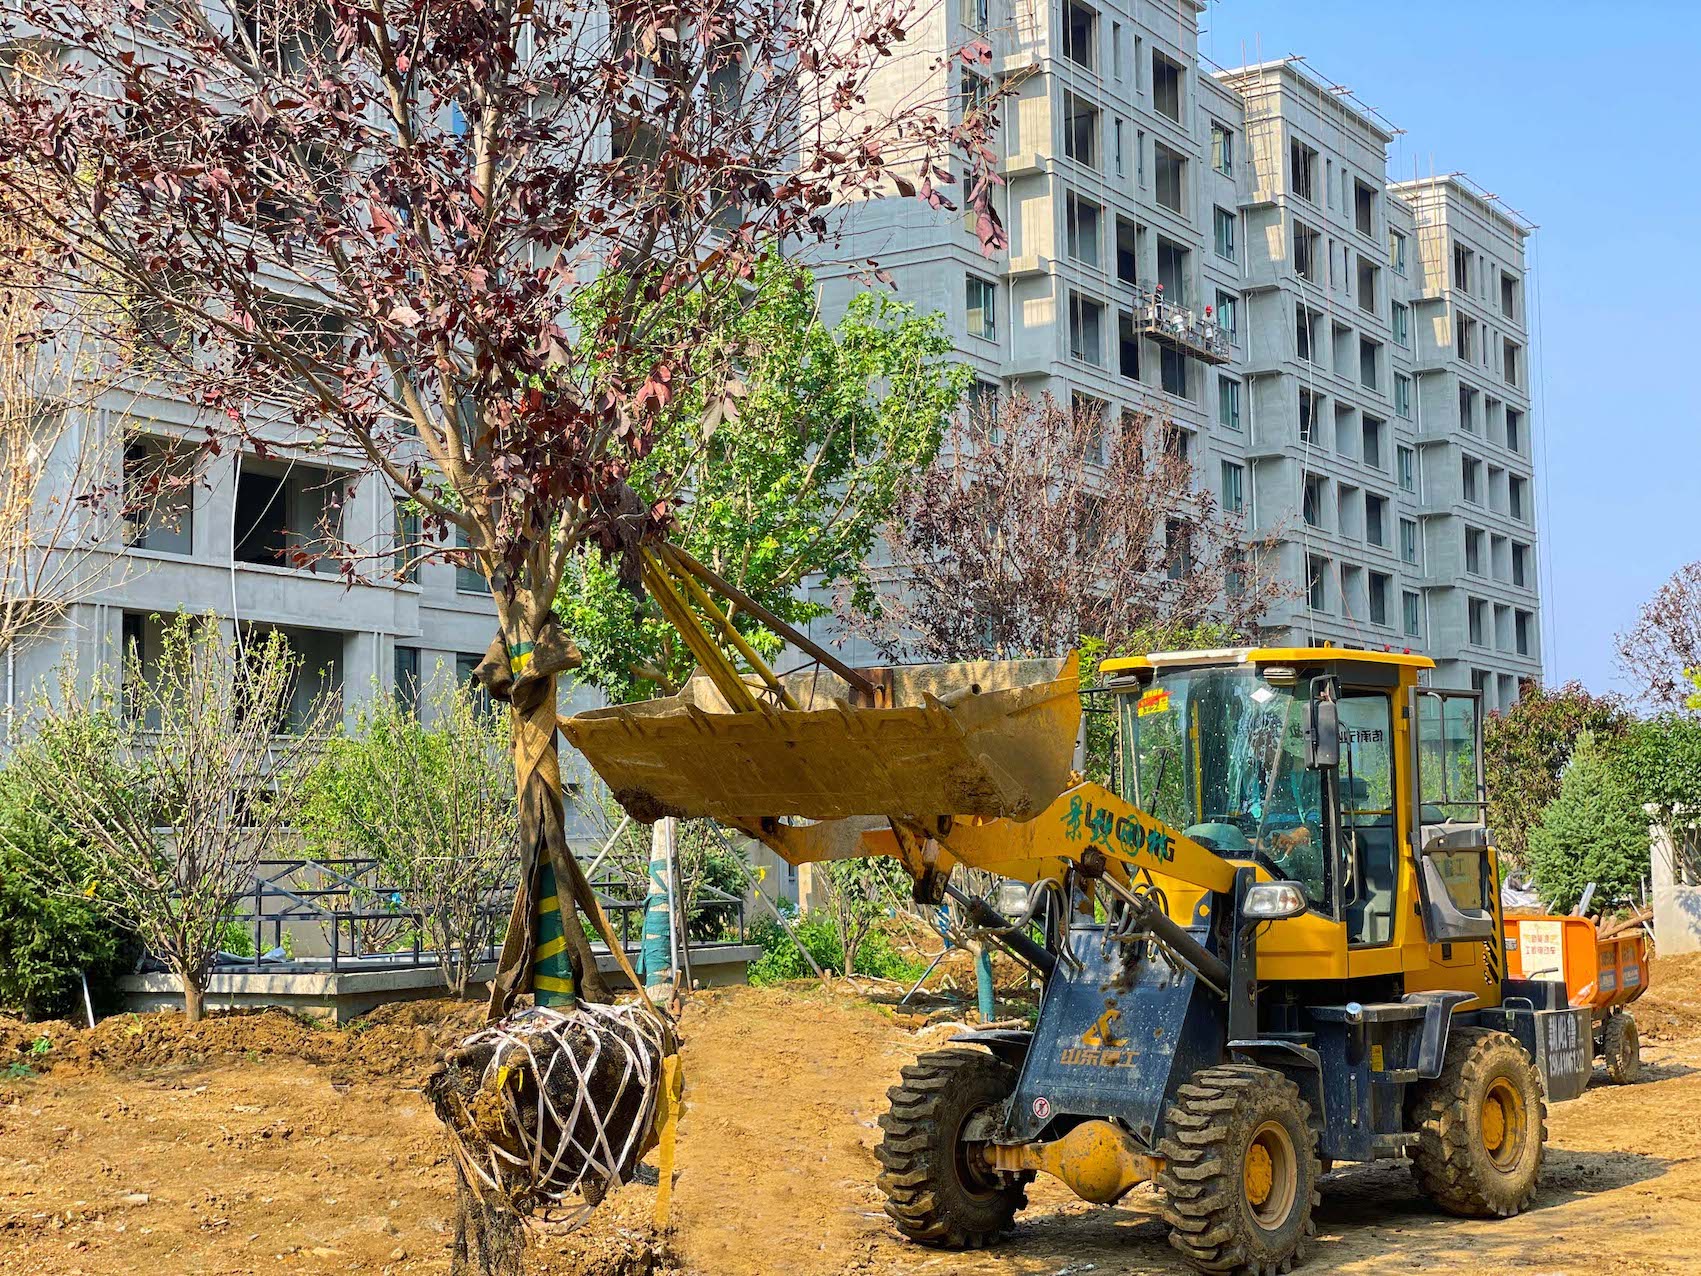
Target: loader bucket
x,y
988,738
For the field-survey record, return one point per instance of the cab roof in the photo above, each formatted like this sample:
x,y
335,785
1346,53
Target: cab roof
x,y
1263,656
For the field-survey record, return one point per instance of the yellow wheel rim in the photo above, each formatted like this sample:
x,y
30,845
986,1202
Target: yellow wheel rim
x,y
1504,1124
1270,1175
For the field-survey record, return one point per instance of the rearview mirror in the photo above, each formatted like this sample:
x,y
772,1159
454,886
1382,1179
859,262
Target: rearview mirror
x,y
1323,738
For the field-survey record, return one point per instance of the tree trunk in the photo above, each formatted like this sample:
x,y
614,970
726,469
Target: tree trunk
x,y
194,997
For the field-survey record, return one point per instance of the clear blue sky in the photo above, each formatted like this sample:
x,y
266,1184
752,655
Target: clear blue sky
x,y
1581,116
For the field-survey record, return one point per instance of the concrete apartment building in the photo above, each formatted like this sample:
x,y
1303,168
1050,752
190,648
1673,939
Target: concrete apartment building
x,y
1345,357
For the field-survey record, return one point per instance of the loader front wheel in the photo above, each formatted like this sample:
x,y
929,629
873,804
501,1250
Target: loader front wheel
x,y
939,1190
1240,1171
1481,1127
1621,1048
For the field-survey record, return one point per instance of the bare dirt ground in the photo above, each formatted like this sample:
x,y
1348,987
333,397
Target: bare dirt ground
x,y
255,1143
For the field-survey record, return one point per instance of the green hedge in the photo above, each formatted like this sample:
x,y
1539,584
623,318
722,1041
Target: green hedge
x,y
782,960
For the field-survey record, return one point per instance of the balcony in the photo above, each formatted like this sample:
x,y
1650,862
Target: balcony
x,y
1179,328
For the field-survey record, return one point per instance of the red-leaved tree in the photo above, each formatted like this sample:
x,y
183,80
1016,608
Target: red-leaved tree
x,y
358,228
1661,652
1040,526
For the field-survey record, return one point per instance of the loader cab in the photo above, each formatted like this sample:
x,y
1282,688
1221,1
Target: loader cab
x,y
1216,744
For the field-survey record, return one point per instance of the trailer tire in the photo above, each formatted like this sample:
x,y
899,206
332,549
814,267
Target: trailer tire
x,y
1481,1127
935,1193
1621,1048
1240,1171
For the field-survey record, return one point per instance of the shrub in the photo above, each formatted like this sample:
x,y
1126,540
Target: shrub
x,y
49,936
877,956
1594,831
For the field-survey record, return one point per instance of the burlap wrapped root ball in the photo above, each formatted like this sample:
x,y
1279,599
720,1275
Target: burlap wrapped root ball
x,y
548,1104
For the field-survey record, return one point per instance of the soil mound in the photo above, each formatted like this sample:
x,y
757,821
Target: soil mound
x,y
391,1042
1671,1008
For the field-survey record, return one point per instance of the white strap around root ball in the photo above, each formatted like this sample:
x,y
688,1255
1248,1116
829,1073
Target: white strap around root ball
x,y
556,1160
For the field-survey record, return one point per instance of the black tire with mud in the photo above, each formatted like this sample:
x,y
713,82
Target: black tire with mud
x,y
1481,1126
936,1193
1621,1048
1225,1213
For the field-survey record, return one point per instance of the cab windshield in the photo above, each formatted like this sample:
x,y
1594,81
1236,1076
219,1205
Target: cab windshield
x,y
1220,755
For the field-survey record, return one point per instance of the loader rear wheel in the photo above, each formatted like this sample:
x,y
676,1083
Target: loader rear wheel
x,y
1240,1171
1481,1127
1621,1049
938,1190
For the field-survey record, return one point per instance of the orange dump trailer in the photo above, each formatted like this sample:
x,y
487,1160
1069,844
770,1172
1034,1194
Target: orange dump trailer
x,y
1605,975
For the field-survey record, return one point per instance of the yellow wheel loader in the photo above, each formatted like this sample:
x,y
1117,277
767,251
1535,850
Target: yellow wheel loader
x,y
1276,946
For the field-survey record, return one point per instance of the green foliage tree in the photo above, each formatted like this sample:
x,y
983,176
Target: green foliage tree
x,y
1594,831
1661,760
433,803
786,480
1526,749
49,937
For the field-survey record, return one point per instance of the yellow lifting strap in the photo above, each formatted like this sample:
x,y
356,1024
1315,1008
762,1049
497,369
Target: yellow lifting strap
x,y
670,1107
672,581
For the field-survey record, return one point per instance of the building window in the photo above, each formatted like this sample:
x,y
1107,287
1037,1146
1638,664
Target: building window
x,y
1367,273
468,578
1234,487
1462,265
159,496
1173,273
1409,613
1403,396
408,530
1127,252
1079,32
1476,609
1371,437
1305,251
1302,171
1401,322
1169,169
1376,519
1127,347
1316,582
1091,411
1405,465
1369,361
977,14
1396,252
1116,49
1172,370
1116,146
1509,296
1379,585
1511,356
1473,550
1166,86
1514,429
1515,497
1469,471
1364,208
1308,408
287,515
1520,564
1467,409
981,298
1409,541
1228,403
1228,315
1086,330
1465,340
1080,130
1082,218
1522,624
976,92
1178,548
1177,443
1316,492
1305,340
1222,149
406,684
1222,223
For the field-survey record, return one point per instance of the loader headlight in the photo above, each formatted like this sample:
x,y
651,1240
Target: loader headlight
x,y
1272,901
1011,898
